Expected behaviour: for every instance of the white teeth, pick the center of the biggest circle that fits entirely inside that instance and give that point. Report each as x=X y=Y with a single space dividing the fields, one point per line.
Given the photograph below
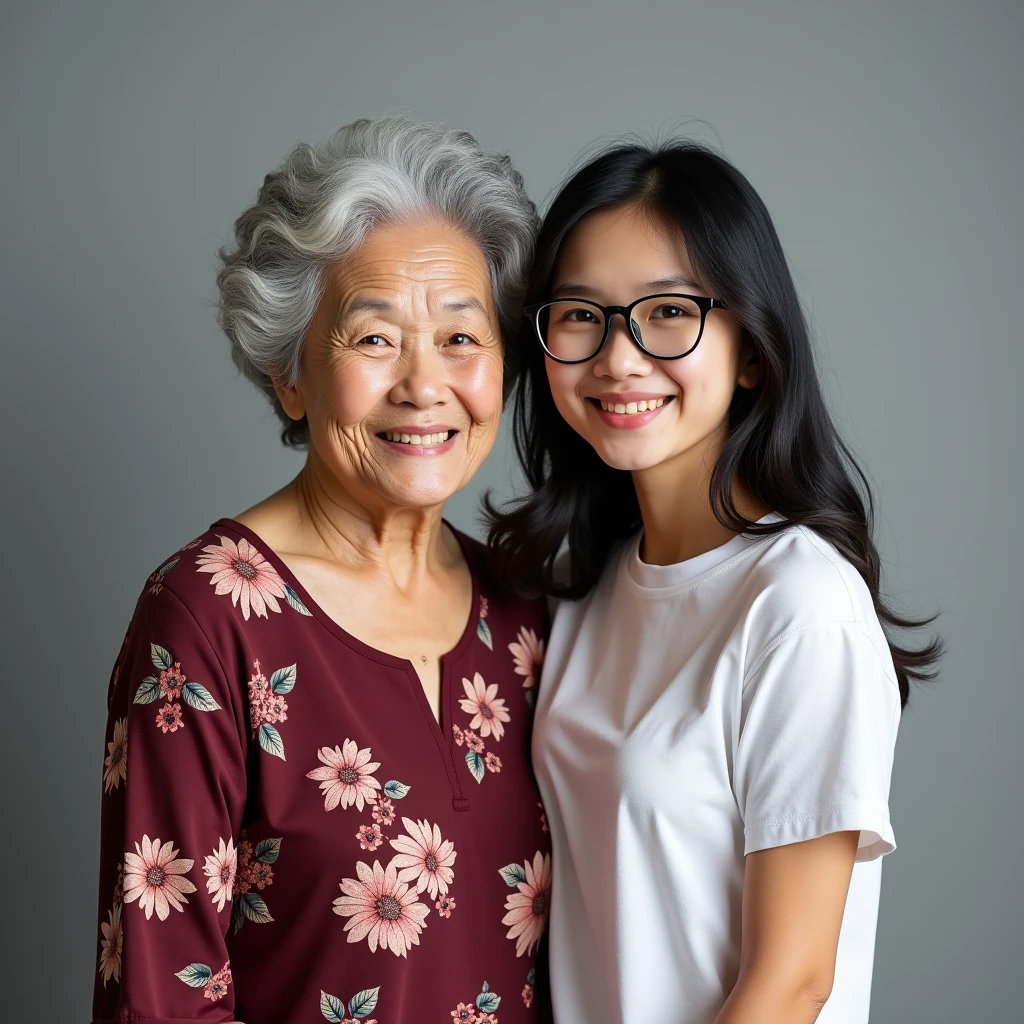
x=632 y=408
x=420 y=439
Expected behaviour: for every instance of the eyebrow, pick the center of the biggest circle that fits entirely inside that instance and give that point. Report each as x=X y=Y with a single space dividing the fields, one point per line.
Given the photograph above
x=368 y=305
x=584 y=291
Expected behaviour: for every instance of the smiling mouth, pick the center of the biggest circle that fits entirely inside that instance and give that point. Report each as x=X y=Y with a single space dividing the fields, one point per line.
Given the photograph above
x=630 y=408
x=422 y=440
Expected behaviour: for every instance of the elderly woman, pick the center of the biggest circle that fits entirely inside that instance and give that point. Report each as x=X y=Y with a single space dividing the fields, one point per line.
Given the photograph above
x=328 y=809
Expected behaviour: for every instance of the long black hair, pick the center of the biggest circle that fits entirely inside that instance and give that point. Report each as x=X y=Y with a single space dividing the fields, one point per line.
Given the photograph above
x=781 y=442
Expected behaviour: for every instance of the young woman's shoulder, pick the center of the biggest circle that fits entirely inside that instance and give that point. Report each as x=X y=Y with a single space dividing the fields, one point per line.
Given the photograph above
x=798 y=580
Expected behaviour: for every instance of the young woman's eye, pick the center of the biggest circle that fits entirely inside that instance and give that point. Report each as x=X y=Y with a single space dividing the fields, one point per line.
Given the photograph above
x=668 y=311
x=373 y=340
x=580 y=316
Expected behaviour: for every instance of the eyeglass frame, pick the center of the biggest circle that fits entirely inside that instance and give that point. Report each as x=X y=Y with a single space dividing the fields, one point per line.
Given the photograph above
x=703 y=302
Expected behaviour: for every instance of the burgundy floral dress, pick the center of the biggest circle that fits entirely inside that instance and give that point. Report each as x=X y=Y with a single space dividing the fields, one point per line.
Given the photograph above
x=288 y=833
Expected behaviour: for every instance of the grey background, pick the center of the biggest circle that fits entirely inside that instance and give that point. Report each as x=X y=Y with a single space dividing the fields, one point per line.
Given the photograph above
x=885 y=137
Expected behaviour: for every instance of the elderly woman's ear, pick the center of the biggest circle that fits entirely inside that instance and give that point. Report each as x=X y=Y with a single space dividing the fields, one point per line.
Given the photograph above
x=290 y=398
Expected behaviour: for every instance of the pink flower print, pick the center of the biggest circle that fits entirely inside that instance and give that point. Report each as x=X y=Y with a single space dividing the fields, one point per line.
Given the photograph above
x=493 y=763
x=422 y=855
x=346 y=777
x=528 y=907
x=458 y=735
x=444 y=906
x=217 y=987
x=115 y=764
x=482 y=702
x=220 y=868
x=383 y=812
x=169 y=718
x=465 y=1012
x=155 y=877
x=111 y=942
x=528 y=655
x=370 y=837
x=259 y=692
x=245 y=851
x=193 y=544
x=259 y=874
x=473 y=741
x=527 y=996
x=119 y=886
x=483 y=607
x=543 y=818
x=171 y=681
x=276 y=708
x=485 y=1018
x=241 y=571
x=381 y=909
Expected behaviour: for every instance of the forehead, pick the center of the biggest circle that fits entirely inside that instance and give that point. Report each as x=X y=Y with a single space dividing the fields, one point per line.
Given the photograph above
x=624 y=247
x=425 y=258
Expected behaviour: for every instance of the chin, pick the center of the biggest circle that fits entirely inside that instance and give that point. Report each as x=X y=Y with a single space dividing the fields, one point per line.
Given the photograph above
x=629 y=456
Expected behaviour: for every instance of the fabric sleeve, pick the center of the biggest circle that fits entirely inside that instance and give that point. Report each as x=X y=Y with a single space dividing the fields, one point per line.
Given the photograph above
x=819 y=716
x=174 y=785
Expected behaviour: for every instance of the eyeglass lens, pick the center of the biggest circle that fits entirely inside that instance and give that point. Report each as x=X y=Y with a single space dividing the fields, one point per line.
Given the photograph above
x=573 y=329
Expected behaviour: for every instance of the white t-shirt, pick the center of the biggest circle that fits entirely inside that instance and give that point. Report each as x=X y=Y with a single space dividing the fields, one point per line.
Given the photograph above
x=689 y=715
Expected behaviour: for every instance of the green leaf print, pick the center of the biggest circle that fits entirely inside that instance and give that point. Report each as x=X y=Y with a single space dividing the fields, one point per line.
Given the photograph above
x=395 y=789
x=513 y=874
x=148 y=691
x=160 y=657
x=255 y=909
x=332 y=1007
x=363 y=1003
x=476 y=765
x=487 y=1001
x=283 y=680
x=165 y=569
x=196 y=975
x=267 y=850
x=484 y=632
x=198 y=696
x=270 y=740
x=295 y=601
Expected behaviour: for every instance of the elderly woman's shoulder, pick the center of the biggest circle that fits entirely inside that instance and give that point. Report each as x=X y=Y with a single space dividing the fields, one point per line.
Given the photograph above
x=221 y=575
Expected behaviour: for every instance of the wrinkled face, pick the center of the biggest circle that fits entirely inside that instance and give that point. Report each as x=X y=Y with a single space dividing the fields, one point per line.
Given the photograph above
x=401 y=373
x=669 y=408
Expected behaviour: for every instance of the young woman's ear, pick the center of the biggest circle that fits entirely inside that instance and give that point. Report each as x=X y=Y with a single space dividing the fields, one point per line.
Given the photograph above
x=749 y=375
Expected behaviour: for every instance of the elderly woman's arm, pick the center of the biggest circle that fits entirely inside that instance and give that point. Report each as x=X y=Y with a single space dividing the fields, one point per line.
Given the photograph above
x=170 y=812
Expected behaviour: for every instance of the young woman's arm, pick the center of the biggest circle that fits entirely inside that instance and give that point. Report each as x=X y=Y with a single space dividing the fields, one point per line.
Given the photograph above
x=793 y=901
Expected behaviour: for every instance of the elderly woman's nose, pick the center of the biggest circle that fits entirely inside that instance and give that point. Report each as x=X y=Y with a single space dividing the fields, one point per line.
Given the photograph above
x=422 y=379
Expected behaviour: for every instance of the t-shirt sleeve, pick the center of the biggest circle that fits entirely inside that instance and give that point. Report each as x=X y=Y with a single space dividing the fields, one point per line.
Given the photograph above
x=818 y=722
x=172 y=803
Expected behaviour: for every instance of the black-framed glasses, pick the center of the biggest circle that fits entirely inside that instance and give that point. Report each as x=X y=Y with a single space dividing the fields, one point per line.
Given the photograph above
x=665 y=326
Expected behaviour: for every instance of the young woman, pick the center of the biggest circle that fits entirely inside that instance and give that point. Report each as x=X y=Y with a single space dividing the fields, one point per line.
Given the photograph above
x=719 y=705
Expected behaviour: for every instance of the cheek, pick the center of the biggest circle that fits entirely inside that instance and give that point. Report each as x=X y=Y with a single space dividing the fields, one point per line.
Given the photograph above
x=706 y=378
x=478 y=383
x=346 y=391
x=564 y=382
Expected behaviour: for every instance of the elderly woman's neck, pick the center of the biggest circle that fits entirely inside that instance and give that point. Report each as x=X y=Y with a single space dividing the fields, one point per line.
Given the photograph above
x=314 y=517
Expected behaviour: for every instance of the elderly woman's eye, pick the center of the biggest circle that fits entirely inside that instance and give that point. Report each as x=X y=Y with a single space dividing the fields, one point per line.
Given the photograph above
x=375 y=340
x=460 y=339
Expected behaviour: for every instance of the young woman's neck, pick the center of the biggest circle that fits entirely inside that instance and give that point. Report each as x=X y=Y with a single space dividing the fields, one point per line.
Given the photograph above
x=675 y=504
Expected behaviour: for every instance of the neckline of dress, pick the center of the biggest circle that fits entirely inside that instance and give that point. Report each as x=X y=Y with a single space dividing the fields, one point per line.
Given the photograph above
x=332 y=626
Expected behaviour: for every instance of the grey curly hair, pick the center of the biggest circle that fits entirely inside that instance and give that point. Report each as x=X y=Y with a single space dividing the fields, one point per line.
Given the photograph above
x=321 y=203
